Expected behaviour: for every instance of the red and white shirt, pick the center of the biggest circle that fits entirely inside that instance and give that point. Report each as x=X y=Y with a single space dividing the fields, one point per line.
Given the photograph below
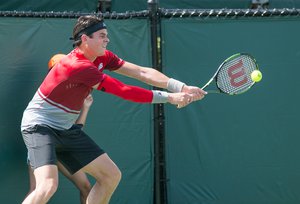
x=58 y=101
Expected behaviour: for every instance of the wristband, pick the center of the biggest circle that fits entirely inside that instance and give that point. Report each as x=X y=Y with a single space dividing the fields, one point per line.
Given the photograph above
x=174 y=85
x=159 y=96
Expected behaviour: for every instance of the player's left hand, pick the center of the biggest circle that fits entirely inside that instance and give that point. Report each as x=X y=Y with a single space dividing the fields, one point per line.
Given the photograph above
x=88 y=101
x=196 y=92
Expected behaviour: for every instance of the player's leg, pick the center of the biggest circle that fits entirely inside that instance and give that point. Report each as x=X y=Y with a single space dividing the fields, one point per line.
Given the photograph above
x=31 y=180
x=46 y=178
x=107 y=176
x=40 y=142
x=80 y=152
x=79 y=179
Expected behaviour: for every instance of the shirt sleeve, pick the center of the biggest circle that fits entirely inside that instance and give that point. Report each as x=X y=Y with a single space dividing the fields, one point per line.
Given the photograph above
x=114 y=62
x=88 y=75
x=127 y=92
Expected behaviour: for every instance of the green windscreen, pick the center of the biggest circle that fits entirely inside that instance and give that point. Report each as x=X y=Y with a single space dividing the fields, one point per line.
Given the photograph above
x=234 y=149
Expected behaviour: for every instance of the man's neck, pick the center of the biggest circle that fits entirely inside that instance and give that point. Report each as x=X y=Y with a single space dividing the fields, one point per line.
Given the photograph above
x=86 y=53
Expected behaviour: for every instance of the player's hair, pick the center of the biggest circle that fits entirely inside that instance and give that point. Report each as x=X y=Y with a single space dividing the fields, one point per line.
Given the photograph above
x=82 y=24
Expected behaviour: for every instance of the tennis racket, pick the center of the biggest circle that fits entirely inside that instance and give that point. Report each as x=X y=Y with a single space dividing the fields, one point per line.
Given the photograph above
x=234 y=75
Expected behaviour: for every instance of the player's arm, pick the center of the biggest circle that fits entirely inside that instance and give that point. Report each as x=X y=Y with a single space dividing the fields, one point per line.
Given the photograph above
x=155 y=78
x=85 y=109
x=141 y=95
x=145 y=74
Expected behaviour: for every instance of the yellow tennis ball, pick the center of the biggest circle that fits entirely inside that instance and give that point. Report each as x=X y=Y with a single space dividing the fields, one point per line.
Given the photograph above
x=256 y=76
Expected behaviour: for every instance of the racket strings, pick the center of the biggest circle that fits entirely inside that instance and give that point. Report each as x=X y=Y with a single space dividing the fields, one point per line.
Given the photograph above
x=234 y=77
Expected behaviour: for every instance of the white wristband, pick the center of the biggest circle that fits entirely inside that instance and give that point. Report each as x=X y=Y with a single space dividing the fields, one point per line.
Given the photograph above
x=174 y=85
x=160 y=96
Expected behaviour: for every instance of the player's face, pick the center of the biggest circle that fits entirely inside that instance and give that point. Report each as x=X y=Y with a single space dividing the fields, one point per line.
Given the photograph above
x=98 y=42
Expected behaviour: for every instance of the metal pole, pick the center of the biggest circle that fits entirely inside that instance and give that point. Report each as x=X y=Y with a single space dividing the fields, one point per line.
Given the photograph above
x=160 y=190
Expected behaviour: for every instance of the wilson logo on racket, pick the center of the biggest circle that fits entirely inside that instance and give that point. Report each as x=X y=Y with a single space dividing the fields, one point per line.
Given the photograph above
x=233 y=75
x=237 y=74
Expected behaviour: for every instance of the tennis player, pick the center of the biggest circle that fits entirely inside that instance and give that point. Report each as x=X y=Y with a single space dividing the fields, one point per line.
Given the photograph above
x=48 y=118
x=79 y=179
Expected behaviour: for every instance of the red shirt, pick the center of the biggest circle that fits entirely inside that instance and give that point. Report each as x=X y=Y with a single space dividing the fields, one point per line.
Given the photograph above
x=65 y=88
x=71 y=80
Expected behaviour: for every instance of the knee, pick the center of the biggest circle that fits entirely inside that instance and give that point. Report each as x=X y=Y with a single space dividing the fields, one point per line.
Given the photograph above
x=113 y=177
x=46 y=188
x=118 y=175
x=85 y=188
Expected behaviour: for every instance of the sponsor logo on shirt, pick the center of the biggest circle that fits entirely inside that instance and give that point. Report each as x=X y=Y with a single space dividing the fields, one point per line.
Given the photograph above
x=100 y=66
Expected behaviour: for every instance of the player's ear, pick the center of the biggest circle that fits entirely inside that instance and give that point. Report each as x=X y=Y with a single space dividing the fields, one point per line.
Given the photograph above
x=84 y=38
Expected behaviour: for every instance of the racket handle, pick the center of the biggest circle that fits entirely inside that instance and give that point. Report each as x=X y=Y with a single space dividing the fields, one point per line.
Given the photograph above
x=213 y=91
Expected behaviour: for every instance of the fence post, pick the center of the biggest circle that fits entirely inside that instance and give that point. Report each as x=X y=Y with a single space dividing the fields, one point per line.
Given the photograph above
x=160 y=190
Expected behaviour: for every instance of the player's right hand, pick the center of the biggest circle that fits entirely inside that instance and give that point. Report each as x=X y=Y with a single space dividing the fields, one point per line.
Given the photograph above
x=180 y=99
